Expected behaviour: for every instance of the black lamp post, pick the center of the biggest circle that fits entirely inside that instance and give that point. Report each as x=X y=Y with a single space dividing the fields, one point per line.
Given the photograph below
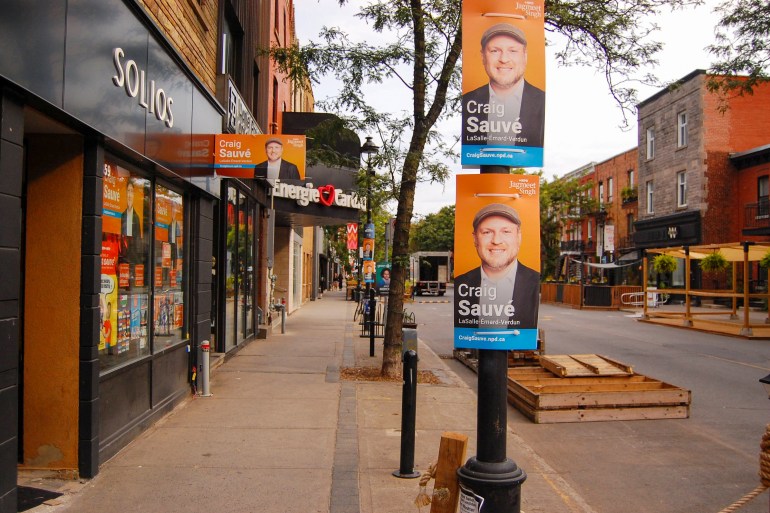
x=369 y=148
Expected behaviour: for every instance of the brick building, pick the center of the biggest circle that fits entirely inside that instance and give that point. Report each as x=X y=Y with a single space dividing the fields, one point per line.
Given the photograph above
x=688 y=186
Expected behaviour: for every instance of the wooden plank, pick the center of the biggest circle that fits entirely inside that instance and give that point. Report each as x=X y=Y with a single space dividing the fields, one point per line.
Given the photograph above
x=626 y=399
x=535 y=380
x=563 y=365
x=451 y=456
x=610 y=414
x=602 y=365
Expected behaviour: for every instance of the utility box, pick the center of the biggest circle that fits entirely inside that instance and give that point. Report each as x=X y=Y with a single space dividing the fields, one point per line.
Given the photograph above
x=408 y=340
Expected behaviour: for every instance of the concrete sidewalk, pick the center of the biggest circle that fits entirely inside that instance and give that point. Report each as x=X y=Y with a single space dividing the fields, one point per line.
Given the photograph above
x=282 y=433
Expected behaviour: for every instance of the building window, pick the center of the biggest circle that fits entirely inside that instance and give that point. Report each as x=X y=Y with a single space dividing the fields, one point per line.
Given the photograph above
x=630 y=175
x=609 y=190
x=681 y=189
x=650 y=190
x=763 y=195
x=231 y=50
x=650 y=143
x=601 y=193
x=590 y=229
x=141 y=302
x=681 y=132
x=630 y=224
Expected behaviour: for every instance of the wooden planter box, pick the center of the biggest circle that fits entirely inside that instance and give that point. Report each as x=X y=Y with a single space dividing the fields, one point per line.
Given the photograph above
x=548 y=397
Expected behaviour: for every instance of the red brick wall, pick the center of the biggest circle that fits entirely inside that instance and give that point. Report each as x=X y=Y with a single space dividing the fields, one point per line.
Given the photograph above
x=192 y=28
x=281 y=34
x=744 y=125
x=722 y=218
x=617 y=167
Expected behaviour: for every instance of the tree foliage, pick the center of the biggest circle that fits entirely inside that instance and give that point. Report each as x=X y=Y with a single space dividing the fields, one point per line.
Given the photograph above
x=416 y=44
x=741 y=47
x=561 y=202
x=436 y=232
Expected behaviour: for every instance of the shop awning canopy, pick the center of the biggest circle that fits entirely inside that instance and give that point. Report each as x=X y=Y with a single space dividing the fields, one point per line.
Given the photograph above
x=733 y=251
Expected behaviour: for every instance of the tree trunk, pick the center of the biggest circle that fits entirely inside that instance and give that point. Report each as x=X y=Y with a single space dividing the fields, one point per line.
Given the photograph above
x=391 y=355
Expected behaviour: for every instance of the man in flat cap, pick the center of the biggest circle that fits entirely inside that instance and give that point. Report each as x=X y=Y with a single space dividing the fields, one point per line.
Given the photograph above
x=275 y=166
x=502 y=293
x=508 y=111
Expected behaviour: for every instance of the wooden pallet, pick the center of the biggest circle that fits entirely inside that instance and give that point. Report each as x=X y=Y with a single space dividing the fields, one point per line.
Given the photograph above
x=545 y=397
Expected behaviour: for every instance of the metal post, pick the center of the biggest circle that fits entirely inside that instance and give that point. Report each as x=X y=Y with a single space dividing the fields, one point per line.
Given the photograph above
x=372 y=306
x=408 y=417
x=205 y=368
x=491 y=477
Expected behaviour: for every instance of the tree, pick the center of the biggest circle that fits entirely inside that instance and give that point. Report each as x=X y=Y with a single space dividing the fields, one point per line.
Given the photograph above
x=561 y=201
x=436 y=232
x=422 y=54
x=742 y=47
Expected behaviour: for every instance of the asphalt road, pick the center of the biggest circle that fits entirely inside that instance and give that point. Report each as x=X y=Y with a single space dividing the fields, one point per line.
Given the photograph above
x=700 y=464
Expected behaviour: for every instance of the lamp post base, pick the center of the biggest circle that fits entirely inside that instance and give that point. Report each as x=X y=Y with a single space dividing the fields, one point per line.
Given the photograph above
x=494 y=487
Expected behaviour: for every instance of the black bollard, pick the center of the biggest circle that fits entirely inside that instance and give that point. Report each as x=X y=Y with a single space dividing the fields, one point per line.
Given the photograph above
x=408 y=417
x=372 y=307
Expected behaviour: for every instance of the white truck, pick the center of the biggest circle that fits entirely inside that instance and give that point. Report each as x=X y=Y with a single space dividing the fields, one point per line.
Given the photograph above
x=430 y=271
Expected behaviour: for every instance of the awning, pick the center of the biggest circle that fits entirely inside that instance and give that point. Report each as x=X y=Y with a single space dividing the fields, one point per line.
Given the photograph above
x=733 y=252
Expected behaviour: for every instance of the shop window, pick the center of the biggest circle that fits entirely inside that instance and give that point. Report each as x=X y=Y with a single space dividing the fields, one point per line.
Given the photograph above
x=168 y=271
x=141 y=300
x=124 y=299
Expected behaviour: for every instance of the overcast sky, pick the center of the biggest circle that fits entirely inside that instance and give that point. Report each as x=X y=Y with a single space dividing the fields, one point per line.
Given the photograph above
x=582 y=120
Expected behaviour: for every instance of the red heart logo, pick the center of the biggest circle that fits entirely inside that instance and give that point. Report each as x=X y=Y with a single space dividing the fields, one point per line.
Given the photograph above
x=326 y=195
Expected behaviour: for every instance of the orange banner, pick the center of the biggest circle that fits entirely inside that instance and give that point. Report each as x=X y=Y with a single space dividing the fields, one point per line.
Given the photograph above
x=260 y=156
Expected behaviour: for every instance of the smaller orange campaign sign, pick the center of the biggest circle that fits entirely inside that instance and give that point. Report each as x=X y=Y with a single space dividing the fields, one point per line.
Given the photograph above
x=259 y=155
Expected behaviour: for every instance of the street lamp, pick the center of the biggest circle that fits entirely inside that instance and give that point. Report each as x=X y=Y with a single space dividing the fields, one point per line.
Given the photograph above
x=369 y=148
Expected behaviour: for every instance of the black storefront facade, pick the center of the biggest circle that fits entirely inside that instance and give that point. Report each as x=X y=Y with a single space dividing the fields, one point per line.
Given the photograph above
x=116 y=241
x=682 y=229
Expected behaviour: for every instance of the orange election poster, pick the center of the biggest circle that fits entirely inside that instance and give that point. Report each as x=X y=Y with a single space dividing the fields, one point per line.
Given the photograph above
x=275 y=156
x=503 y=84
x=497 y=261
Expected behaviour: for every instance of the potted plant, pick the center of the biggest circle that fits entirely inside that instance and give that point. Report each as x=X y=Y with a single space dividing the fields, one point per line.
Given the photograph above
x=715 y=261
x=664 y=264
x=629 y=194
x=765 y=260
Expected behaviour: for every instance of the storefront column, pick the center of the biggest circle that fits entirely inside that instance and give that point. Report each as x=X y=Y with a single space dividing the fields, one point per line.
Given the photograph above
x=11 y=166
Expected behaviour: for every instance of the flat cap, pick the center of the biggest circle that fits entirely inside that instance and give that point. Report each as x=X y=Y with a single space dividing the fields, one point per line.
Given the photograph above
x=496 y=209
x=505 y=29
x=274 y=140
